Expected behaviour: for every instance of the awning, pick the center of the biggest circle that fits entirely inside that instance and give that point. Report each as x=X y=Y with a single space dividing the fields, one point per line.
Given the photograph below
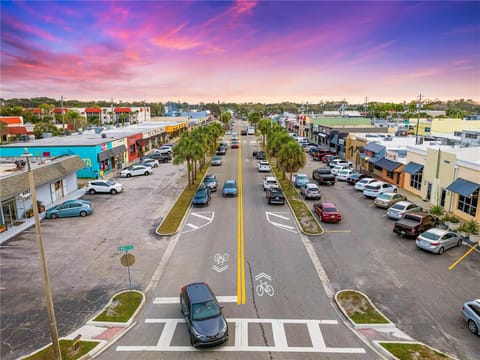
x=412 y=168
x=119 y=149
x=374 y=147
x=322 y=135
x=463 y=187
x=106 y=154
x=387 y=164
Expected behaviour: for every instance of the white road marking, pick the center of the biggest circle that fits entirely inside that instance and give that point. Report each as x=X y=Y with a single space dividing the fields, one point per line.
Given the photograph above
x=282 y=226
x=175 y=300
x=193 y=226
x=203 y=217
x=241 y=337
x=277 y=215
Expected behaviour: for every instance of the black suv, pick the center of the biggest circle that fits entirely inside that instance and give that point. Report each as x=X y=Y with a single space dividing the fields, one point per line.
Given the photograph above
x=203 y=315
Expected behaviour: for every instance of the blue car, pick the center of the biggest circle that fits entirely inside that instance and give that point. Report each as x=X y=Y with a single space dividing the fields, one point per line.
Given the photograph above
x=202 y=196
x=230 y=188
x=70 y=208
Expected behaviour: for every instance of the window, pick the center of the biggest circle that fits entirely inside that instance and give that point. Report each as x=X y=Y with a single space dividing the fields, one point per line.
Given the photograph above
x=132 y=149
x=442 y=197
x=416 y=180
x=390 y=174
x=471 y=136
x=468 y=204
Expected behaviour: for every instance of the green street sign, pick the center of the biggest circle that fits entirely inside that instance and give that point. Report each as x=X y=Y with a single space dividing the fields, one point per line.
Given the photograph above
x=125 y=248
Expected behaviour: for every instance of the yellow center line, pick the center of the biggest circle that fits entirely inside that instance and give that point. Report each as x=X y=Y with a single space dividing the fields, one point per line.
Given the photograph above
x=240 y=236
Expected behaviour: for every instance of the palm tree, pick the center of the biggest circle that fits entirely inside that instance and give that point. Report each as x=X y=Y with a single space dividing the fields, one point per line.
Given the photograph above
x=276 y=137
x=182 y=151
x=264 y=126
x=253 y=119
x=291 y=158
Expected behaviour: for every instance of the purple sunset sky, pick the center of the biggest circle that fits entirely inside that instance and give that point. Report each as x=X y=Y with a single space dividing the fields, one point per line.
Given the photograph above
x=240 y=51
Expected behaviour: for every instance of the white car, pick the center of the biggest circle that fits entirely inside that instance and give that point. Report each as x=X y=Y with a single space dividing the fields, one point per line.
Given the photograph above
x=263 y=166
x=136 y=170
x=165 y=149
x=336 y=162
x=104 y=186
x=268 y=182
x=344 y=174
x=337 y=168
x=372 y=190
x=151 y=162
x=360 y=184
x=310 y=191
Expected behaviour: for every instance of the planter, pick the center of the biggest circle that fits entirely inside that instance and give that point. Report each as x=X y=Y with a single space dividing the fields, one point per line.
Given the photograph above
x=453 y=226
x=3 y=228
x=474 y=238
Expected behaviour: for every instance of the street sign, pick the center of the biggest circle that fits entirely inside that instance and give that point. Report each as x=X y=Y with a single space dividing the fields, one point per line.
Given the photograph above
x=127 y=260
x=125 y=248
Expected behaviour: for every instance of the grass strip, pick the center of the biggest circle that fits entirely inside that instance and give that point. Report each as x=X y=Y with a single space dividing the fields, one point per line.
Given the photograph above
x=121 y=308
x=174 y=218
x=66 y=348
x=359 y=308
x=414 y=351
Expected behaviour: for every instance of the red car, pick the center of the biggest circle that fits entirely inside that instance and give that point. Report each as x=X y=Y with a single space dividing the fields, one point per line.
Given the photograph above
x=235 y=145
x=327 y=212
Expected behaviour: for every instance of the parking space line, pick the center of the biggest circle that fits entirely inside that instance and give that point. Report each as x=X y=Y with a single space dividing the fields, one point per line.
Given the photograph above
x=201 y=216
x=175 y=300
x=192 y=226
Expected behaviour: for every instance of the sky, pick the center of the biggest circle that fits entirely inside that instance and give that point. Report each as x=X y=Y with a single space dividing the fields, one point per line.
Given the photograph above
x=240 y=51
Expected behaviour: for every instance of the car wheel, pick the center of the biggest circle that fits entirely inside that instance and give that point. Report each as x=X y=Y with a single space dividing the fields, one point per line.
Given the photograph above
x=165 y=160
x=129 y=175
x=146 y=173
x=472 y=327
x=83 y=213
x=192 y=340
x=459 y=242
x=269 y=202
x=441 y=251
x=54 y=216
x=91 y=192
x=113 y=192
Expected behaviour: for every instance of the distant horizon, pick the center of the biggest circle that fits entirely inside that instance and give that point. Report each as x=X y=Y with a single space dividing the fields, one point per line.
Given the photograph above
x=241 y=51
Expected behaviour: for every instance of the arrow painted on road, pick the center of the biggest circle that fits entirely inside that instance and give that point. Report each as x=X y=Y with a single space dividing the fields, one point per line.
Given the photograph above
x=263 y=275
x=217 y=269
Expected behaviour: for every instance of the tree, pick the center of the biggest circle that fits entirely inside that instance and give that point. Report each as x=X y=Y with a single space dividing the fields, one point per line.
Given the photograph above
x=253 y=119
x=264 y=126
x=43 y=127
x=226 y=117
x=291 y=158
x=275 y=138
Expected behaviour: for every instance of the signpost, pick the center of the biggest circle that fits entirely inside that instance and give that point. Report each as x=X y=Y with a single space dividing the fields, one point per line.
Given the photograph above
x=127 y=260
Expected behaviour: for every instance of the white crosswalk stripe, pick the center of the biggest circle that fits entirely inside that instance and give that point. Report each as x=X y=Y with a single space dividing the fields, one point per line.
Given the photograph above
x=241 y=341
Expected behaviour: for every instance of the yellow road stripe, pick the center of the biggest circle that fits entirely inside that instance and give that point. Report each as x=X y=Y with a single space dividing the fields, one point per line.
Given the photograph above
x=240 y=235
x=463 y=256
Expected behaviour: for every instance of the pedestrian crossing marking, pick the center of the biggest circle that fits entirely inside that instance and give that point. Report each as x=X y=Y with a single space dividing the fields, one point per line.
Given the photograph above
x=241 y=337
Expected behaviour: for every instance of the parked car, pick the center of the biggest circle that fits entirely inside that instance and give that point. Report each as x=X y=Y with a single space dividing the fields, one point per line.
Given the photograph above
x=310 y=191
x=263 y=166
x=203 y=315
x=398 y=210
x=337 y=168
x=162 y=158
x=338 y=162
x=471 y=314
x=270 y=181
x=216 y=161
x=275 y=195
x=323 y=175
x=353 y=178
x=360 y=184
x=372 y=190
x=202 y=196
x=210 y=181
x=260 y=155
x=327 y=212
x=70 y=208
x=299 y=180
x=387 y=199
x=438 y=240
x=164 y=149
x=230 y=188
x=414 y=224
x=221 y=150
x=344 y=174
x=136 y=170
x=150 y=162
x=327 y=158
x=104 y=186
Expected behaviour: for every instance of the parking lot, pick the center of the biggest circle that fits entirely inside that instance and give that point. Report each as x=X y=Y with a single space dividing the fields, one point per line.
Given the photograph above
x=414 y=288
x=83 y=259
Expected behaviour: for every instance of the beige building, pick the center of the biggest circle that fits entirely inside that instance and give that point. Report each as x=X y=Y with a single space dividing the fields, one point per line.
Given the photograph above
x=445 y=176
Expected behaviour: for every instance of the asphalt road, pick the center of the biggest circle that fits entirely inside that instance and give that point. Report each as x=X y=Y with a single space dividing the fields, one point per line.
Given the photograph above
x=413 y=288
x=291 y=319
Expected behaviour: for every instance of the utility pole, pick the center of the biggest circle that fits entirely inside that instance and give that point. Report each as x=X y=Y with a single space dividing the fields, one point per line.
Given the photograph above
x=419 y=106
x=63 y=116
x=366 y=106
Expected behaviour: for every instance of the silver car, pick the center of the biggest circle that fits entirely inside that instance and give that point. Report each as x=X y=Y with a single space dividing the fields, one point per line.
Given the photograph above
x=438 y=240
x=398 y=210
x=387 y=199
x=360 y=184
x=471 y=314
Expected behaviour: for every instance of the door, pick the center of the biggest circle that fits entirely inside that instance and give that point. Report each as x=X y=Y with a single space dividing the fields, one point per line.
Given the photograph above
x=9 y=212
x=429 y=191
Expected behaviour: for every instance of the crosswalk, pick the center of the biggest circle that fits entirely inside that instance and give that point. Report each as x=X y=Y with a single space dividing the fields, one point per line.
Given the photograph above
x=241 y=341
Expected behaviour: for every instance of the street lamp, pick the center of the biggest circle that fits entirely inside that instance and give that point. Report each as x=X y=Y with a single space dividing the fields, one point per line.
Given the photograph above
x=57 y=355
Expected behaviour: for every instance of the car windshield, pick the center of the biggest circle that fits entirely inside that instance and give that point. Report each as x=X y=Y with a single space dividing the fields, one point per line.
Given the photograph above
x=430 y=235
x=398 y=207
x=330 y=209
x=230 y=185
x=204 y=311
x=110 y=182
x=384 y=197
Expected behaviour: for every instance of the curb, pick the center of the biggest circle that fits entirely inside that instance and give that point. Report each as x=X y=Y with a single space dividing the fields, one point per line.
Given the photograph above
x=389 y=355
x=298 y=223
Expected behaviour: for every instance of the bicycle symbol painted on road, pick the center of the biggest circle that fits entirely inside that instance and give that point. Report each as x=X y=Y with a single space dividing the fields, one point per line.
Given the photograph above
x=263 y=287
x=219 y=260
